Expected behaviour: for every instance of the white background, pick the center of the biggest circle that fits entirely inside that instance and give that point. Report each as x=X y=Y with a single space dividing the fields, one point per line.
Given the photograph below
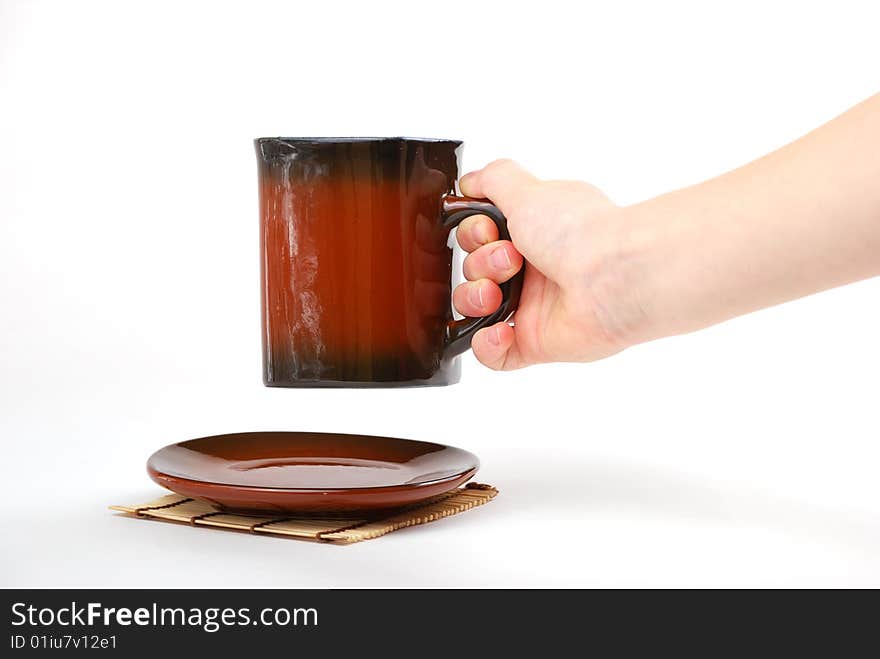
x=745 y=455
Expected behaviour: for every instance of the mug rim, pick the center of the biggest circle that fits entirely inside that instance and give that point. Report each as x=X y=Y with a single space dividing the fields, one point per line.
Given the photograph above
x=355 y=140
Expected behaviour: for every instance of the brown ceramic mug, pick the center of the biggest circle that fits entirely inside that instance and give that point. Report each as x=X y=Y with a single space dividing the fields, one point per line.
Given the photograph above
x=355 y=262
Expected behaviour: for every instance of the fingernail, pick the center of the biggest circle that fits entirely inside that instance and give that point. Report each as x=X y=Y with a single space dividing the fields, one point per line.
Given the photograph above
x=475 y=295
x=480 y=236
x=500 y=259
x=494 y=336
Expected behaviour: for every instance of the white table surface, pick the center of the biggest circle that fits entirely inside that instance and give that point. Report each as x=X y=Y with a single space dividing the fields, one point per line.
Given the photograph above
x=728 y=458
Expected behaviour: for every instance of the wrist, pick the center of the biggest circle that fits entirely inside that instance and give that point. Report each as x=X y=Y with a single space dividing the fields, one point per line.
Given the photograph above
x=622 y=284
x=670 y=258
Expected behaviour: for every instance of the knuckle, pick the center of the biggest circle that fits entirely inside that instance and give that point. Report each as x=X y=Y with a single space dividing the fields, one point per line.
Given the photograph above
x=496 y=170
x=483 y=230
x=501 y=163
x=459 y=301
x=468 y=266
x=473 y=228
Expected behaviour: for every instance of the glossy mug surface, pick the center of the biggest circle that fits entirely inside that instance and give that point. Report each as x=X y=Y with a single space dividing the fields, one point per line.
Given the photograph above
x=355 y=262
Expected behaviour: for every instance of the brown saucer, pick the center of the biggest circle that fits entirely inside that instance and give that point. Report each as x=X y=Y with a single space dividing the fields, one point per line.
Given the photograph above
x=296 y=472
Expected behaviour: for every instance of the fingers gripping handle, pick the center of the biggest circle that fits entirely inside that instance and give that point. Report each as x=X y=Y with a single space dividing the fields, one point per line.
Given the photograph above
x=459 y=332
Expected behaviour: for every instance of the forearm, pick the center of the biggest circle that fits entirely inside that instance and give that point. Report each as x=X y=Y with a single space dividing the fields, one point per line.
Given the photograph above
x=798 y=221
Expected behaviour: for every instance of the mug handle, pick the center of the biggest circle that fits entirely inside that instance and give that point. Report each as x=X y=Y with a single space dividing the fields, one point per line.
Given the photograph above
x=459 y=332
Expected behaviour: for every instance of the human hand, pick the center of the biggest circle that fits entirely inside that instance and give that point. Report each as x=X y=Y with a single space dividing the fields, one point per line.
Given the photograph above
x=575 y=304
x=600 y=278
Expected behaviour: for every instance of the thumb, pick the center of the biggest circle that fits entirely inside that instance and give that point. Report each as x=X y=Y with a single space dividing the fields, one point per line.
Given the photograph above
x=503 y=182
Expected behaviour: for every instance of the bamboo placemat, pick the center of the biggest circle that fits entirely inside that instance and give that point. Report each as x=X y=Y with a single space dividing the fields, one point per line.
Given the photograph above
x=340 y=529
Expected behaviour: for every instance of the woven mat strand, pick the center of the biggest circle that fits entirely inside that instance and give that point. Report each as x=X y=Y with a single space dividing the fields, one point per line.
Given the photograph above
x=340 y=530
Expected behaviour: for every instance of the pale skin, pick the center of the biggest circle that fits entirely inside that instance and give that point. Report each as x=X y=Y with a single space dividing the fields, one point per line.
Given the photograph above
x=600 y=278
